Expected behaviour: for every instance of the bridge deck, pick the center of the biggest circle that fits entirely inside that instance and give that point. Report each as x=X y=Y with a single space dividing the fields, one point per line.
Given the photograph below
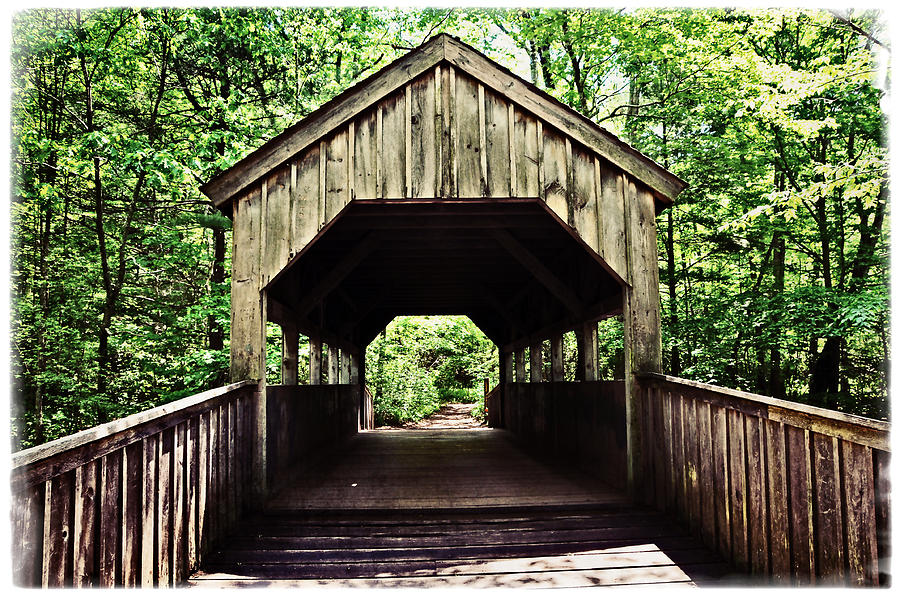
x=452 y=508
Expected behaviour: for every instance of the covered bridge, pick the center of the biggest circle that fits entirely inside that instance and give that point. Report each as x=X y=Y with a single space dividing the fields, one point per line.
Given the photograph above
x=445 y=184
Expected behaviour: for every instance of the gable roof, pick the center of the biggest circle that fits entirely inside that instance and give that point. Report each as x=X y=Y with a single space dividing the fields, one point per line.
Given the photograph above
x=440 y=49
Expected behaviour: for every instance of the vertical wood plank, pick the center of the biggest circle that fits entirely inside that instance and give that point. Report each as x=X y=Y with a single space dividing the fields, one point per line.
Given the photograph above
x=584 y=196
x=323 y=185
x=757 y=504
x=719 y=434
x=351 y=168
x=541 y=175
x=737 y=482
x=468 y=117
x=536 y=362
x=828 y=520
x=511 y=143
x=245 y=279
x=334 y=364
x=497 y=155
x=364 y=184
x=179 y=518
x=222 y=473
x=779 y=524
x=448 y=139
x=803 y=563
x=692 y=464
x=305 y=199
x=58 y=535
x=277 y=225
x=407 y=129
x=336 y=183
x=86 y=496
x=192 y=466
x=203 y=483
x=527 y=158
x=678 y=467
x=110 y=518
x=148 y=514
x=611 y=216
x=393 y=141
x=520 y=366
x=557 y=360
x=555 y=173
x=132 y=508
x=28 y=535
x=212 y=489
x=315 y=360
x=482 y=140
x=706 y=475
x=859 y=499
x=379 y=151
x=589 y=345
x=882 y=472
x=424 y=142
x=233 y=465
x=164 y=509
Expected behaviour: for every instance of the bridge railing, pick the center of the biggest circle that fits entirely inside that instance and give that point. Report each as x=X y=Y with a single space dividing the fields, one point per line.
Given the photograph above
x=137 y=501
x=791 y=492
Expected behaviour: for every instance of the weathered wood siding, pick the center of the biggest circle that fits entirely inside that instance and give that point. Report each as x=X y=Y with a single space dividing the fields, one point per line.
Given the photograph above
x=136 y=502
x=785 y=491
x=583 y=422
x=303 y=421
x=443 y=135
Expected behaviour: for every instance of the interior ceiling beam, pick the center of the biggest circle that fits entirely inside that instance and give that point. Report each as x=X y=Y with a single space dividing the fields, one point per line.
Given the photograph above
x=334 y=277
x=503 y=311
x=278 y=312
x=602 y=309
x=540 y=271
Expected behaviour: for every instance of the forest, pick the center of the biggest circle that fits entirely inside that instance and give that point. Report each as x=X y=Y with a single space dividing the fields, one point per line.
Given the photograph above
x=773 y=263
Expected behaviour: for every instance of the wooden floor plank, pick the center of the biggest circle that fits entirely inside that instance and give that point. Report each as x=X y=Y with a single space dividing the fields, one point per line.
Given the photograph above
x=454 y=509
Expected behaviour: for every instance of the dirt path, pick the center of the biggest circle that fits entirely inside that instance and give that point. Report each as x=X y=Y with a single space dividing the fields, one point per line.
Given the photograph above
x=450 y=416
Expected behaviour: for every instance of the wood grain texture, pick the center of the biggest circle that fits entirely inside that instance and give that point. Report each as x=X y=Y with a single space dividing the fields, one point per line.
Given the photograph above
x=467 y=118
x=777 y=499
x=58 y=532
x=497 y=157
x=110 y=572
x=424 y=142
x=393 y=147
x=87 y=492
x=364 y=150
x=859 y=497
x=526 y=152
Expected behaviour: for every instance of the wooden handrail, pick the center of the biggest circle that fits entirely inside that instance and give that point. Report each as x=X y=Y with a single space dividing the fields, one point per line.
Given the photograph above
x=862 y=430
x=46 y=460
x=137 y=501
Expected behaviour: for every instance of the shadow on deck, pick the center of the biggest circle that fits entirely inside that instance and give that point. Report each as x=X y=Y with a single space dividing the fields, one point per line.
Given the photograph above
x=453 y=508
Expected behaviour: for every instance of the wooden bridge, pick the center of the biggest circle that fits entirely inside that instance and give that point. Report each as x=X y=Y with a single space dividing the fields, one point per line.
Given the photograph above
x=444 y=184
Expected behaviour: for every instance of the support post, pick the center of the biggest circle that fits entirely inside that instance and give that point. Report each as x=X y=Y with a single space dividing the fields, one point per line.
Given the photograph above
x=643 y=347
x=290 y=341
x=536 y=358
x=589 y=345
x=520 y=365
x=334 y=365
x=506 y=376
x=557 y=362
x=260 y=456
x=315 y=360
x=345 y=367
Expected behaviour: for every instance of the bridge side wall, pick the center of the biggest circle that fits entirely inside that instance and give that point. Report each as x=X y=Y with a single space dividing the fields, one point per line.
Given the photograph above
x=784 y=491
x=136 y=502
x=582 y=422
x=304 y=421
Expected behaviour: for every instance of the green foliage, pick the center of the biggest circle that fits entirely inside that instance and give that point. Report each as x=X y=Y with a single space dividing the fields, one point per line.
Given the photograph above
x=774 y=277
x=418 y=363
